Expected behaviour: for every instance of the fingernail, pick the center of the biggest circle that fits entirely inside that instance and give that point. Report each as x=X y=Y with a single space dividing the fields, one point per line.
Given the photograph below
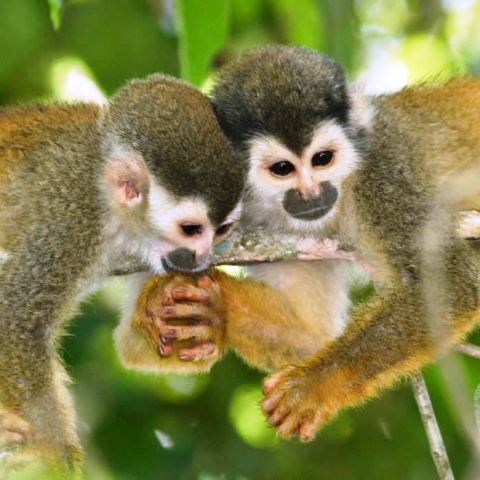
x=180 y=290
x=169 y=334
x=185 y=357
x=210 y=349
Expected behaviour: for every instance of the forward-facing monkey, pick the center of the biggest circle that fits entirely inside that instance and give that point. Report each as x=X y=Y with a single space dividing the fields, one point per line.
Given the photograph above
x=384 y=175
x=80 y=186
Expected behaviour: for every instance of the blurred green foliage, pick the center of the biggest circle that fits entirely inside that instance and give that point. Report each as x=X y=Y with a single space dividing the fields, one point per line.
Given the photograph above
x=200 y=23
x=209 y=427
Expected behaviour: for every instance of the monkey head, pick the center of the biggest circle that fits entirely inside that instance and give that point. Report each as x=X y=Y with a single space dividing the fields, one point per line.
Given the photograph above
x=290 y=113
x=171 y=176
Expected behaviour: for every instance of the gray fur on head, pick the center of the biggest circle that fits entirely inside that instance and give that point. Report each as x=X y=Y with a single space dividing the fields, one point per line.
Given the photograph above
x=282 y=91
x=173 y=127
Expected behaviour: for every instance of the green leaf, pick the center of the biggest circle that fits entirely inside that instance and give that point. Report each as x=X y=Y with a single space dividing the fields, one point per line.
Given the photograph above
x=202 y=27
x=55 y=7
x=302 y=22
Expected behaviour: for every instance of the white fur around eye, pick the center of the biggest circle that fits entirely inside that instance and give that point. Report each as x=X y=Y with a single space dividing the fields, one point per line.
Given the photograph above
x=165 y=212
x=266 y=150
x=331 y=136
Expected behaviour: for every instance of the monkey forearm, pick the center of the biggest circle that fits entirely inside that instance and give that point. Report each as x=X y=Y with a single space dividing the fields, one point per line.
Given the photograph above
x=390 y=336
x=386 y=337
x=262 y=327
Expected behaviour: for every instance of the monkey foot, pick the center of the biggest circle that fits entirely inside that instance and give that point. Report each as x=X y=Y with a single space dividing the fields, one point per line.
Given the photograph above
x=14 y=431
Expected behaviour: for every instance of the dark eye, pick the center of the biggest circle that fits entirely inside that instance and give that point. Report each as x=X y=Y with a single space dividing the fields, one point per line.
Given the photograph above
x=282 y=169
x=322 y=159
x=191 y=229
x=223 y=229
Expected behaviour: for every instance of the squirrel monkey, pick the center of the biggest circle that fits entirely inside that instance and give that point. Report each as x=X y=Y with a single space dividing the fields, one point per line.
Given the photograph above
x=382 y=174
x=80 y=186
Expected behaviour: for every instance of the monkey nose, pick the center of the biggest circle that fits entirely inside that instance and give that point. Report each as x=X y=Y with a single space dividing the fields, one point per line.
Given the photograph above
x=309 y=190
x=184 y=260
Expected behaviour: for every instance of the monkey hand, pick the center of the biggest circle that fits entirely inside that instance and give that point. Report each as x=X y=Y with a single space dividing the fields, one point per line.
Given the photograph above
x=178 y=326
x=299 y=401
x=189 y=319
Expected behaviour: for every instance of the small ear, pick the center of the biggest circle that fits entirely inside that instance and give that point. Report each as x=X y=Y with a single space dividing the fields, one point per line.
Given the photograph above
x=361 y=110
x=128 y=179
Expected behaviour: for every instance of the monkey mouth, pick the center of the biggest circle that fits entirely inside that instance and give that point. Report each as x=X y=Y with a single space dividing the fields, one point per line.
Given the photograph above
x=312 y=213
x=170 y=267
x=310 y=209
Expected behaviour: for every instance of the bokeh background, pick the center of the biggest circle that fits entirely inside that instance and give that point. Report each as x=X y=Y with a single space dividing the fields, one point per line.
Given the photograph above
x=210 y=427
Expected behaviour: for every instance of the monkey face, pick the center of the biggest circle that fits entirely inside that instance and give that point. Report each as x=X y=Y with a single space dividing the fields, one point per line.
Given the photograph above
x=168 y=232
x=292 y=115
x=184 y=231
x=298 y=192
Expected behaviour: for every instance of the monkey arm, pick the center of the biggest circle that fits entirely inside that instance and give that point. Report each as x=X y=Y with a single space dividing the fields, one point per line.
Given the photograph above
x=401 y=328
x=274 y=324
x=268 y=326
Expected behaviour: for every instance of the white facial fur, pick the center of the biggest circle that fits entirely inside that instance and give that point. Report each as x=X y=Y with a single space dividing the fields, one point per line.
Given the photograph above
x=150 y=224
x=166 y=214
x=265 y=192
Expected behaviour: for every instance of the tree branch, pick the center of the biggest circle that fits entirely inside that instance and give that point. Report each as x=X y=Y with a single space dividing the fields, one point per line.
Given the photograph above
x=437 y=446
x=246 y=247
x=468 y=349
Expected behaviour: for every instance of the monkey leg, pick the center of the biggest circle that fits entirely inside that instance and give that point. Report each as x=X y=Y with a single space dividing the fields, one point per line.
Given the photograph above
x=32 y=380
x=388 y=337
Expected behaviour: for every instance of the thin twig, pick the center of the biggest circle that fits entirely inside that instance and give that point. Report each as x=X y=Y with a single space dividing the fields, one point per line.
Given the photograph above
x=246 y=247
x=468 y=349
x=437 y=446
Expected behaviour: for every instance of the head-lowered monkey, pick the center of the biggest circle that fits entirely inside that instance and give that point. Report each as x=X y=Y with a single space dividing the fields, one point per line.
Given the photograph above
x=80 y=186
x=395 y=185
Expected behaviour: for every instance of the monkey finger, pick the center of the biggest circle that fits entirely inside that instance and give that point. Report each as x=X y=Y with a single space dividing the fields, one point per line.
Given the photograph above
x=278 y=416
x=272 y=381
x=205 y=282
x=197 y=352
x=16 y=424
x=167 y=293
x=189 y=293
x=289 y=426
x=186 y=310
x=307 y=431
x=209 y=284
x=9 y=439
x=185 y=332
x=312 y=424
x=271 y=402
x=165 y=349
